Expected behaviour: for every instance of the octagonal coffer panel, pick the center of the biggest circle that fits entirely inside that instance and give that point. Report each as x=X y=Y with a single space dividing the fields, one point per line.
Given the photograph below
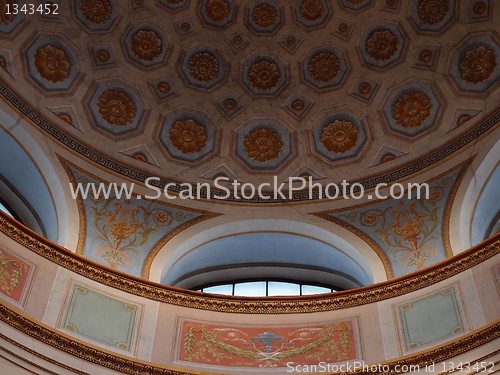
x=10 y=23
x=264 y=16
x=52 y=64
x=218 y=13
x=263 y=144
x=412 y=109
x=146 y=45
x=312 y=14
x=382 y=46
x=325 y=67
x=264 y=75
x=356 y=5
x=173 y=5
x=339 y=136
x=432 y=15
x=96 y=15
x=187 y=136
x=203 y=67
x=475 y=67
x=116 y=108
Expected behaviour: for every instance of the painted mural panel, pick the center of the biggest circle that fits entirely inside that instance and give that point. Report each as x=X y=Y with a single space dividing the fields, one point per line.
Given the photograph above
x=432 y=319
x=267 y=346
x=407 y=234
x=98 y=317
x=125 y=234
x=16 y=275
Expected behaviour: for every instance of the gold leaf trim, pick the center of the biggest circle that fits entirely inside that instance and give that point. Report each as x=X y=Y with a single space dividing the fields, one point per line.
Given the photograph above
x=35 y=353
x=291 y=305
x=130 y=366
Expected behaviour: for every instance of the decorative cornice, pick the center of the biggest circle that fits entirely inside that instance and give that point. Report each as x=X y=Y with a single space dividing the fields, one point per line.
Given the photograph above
x=127 y=365
x=275 y=305
x=78 y=349
x=39 y=355
x=128 y=172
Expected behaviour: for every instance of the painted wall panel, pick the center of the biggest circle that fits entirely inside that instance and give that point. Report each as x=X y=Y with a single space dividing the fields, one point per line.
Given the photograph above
x=265 y=346
x=431 y=319
x=101 y=318
x=16 y=275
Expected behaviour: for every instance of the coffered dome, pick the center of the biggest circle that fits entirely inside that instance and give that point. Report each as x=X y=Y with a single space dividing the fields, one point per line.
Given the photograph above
x=125 y=70
x=152 y=149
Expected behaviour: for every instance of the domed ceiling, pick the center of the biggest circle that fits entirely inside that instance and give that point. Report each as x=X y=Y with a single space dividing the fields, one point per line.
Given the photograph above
x=191 y=90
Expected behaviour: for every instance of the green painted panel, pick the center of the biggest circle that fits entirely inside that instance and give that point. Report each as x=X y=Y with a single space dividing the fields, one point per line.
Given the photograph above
x=100 y=318
x=431 y=319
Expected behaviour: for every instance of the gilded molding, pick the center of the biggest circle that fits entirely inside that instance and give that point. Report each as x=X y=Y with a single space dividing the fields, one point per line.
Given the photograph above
x=287 y=305
x=35 y=353
x=25 y=360
x=130 y=366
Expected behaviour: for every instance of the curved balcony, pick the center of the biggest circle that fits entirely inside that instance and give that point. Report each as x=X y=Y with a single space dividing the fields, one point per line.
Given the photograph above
x=64 y=313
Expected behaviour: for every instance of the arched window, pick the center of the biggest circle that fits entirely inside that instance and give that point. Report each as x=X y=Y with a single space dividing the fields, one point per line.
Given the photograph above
x=266 y=288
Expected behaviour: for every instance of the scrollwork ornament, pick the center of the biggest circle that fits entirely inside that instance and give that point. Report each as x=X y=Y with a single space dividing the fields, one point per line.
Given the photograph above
x=126 y=365
x=375 y=293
